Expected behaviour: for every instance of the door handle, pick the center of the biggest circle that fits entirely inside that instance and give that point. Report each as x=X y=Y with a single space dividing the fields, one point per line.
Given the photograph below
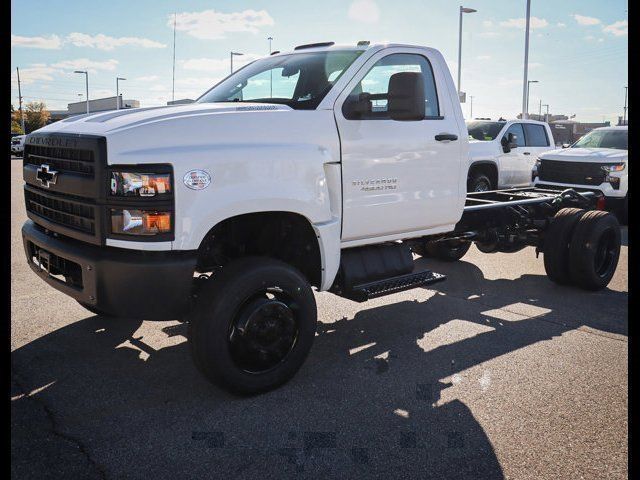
x=446 y=136
x=526 y=153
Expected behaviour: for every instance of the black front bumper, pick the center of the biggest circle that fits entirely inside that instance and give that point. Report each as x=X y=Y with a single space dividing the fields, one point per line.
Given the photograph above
x=126 y=283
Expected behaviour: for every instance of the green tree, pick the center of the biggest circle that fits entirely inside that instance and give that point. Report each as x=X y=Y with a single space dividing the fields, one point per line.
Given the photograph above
x=36 y=116
x=16 y=128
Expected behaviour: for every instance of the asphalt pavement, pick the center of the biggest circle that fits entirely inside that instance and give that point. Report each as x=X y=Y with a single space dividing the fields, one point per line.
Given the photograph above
x=494 y=373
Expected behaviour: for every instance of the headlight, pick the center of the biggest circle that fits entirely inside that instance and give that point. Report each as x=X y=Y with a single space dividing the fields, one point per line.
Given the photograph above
x=613 y=168
x=140 y=222
x=132 y=184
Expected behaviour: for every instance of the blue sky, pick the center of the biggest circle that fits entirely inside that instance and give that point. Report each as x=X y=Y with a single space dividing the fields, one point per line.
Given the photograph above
x=578 y=49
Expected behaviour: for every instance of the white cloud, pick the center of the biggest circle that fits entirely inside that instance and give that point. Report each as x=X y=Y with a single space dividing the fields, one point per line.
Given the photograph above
x=582 y=20
x=213 y=25
x=535 y=22
x=85 y=64
x=216 y=65
x=618 y=29
x=146 y=78
x=561 y=25
x=365 y=11
x=104 y=42
x=487 y=23
x=52 y=42
x=489 y=34
x=36 y=72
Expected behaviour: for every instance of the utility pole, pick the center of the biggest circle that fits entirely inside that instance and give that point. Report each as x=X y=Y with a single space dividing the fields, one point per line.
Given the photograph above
x=462 y=10
x=624 y=115
x=173 y=77
x=118 y=92
x=546 y=115
x=86 y=76
x=20 y=101
x=471 y=112
x=525 y=85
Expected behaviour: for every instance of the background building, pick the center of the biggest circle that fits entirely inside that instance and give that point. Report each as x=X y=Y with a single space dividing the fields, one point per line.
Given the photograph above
x=100 y=105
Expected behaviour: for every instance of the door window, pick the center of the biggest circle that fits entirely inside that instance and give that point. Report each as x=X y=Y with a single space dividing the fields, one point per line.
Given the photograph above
x=536 y=135
x=517 y=130
x=376 y=82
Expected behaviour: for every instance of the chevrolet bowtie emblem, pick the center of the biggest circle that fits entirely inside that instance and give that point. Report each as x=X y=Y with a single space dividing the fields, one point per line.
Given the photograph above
x=45 y=176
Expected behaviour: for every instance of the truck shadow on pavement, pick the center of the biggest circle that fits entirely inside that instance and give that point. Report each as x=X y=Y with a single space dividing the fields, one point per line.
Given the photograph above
x=368 y=400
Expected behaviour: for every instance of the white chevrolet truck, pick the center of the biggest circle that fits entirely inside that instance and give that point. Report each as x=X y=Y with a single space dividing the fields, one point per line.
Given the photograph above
x=598 y=161
x=502 y=153
x=325 y=167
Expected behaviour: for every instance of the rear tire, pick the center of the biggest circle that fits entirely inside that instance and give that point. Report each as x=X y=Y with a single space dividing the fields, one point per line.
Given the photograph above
x=479 y=182
x=252 y=327
x=557 y=239
x=594 y=250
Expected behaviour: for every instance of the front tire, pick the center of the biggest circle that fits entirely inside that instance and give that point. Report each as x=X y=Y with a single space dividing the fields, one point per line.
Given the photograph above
x=479 y=182
x=252 y=325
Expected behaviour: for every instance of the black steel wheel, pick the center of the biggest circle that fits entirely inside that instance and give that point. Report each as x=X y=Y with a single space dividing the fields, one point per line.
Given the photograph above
x=594 y=250
x=252 y=325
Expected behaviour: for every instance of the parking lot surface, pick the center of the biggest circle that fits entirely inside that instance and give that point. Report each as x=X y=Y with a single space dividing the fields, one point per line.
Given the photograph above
x=495 y=373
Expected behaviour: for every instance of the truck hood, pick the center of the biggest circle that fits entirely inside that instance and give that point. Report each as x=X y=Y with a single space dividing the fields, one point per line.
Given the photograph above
x=106 y=123
x=479 y=149
x=589 y=155
x=197 y=134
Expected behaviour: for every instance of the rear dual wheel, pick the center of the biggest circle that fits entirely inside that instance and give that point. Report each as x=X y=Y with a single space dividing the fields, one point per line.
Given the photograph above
x=582 y=248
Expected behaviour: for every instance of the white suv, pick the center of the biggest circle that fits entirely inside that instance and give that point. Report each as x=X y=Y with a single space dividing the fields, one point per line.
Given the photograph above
x=502 y=153
x=17 y=145
x=598 y=161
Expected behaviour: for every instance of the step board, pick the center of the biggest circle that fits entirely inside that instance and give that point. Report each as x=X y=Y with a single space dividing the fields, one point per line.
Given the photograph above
x=367 y=291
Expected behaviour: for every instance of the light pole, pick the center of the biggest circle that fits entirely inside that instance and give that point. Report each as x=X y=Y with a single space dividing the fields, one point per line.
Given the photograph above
x=529 y=82
x=540 y=110
x=546 y=115
x=118 y=92
x=525 y=86
x=232 y=54
x=86 y=77
x=471 y=112
x=624 y=115
x=270 y=71
x=462 y=10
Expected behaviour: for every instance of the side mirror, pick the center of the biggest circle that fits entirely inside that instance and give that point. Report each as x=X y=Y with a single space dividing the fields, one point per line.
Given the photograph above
x=406 y=100
x=565 y=145
x=509 y=142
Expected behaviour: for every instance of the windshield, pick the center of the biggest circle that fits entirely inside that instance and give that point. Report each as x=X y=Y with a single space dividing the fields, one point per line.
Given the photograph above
x=299 y=80
x=485 y=131
x=618 y=139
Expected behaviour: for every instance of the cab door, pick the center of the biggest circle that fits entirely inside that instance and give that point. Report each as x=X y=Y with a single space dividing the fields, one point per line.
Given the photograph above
x=399 y=176
x=512 y=164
